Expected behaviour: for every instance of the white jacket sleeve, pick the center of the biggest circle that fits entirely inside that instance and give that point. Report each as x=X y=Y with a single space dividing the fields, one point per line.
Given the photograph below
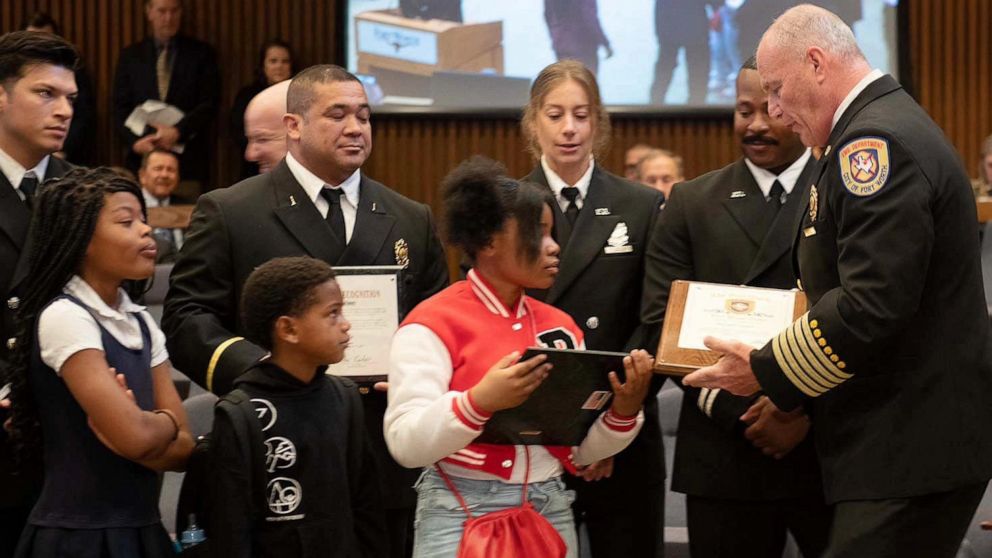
x=609 y=435
x=425 y=421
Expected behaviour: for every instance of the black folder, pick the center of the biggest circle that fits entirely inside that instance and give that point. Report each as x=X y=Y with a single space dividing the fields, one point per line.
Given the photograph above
x=561 y=410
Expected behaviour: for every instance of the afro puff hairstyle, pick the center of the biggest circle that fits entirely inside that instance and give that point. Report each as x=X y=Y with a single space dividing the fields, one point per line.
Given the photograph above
x=479 y=198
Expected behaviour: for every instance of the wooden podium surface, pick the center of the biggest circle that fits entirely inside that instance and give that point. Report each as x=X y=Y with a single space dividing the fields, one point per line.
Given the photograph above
x=390 y=41
x=170 y=217
x=984 y=209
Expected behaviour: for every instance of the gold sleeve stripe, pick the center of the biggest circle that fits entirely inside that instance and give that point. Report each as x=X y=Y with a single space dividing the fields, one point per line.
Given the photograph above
x=789 y=366
x=214 y=358
x=808 y=365
x=827 y=368
x=801 y=353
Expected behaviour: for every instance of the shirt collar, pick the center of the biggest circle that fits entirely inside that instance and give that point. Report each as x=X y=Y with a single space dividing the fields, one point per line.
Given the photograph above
x=557 y=184
x=786 y=178
x=15 y=172
x=80 y=289
x=489 y=299
x=853 y=94
x=313 y=184
x=152 y=201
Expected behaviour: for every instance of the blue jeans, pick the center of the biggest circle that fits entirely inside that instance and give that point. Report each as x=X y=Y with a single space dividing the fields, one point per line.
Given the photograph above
x=439 y=519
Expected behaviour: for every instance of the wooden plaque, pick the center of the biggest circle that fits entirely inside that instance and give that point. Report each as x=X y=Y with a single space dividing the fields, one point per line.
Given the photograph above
x=984 y=204
x=170 y=217
x=678 y=361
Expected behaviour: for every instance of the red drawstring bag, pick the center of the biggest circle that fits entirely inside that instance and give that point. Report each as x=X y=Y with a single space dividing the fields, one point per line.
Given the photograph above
x=512 y=533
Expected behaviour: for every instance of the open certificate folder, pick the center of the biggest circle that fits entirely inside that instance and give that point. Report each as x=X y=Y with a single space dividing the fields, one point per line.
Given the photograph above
x=156 y=113
x=561 y=410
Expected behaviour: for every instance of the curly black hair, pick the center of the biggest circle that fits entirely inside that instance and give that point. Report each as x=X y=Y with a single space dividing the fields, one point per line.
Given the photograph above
x=65 y=215
x=280 y=287
x=479 y=198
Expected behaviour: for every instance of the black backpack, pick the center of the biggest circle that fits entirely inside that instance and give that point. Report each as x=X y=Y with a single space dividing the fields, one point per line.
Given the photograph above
x=194 y=495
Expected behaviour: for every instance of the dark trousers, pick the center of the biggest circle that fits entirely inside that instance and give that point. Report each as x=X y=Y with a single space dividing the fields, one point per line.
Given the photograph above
x=756 y=529
x=588 y=56
x=633 y=530
x=12 y=520
x=928 y=526
x=399 y=529
x=697 y=58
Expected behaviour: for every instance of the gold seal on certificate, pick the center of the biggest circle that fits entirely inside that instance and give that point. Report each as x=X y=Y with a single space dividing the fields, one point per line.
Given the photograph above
x=371 y=304
x=751 y=315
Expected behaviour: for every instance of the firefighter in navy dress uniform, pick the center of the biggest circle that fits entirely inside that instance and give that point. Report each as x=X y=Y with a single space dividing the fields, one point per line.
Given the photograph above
x=893 y=358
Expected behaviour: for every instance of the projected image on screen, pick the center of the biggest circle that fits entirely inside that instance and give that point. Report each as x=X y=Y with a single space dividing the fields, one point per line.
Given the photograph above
x=450 y=55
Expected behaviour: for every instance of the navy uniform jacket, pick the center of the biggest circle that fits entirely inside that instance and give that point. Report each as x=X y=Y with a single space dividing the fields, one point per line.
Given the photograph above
x=599 y=285
x=709 y=232
x=236 y=229
x=894 y=357
x=15 y=218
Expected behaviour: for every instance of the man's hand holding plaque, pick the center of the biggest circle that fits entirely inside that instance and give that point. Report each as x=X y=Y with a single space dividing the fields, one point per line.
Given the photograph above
x=713 y=328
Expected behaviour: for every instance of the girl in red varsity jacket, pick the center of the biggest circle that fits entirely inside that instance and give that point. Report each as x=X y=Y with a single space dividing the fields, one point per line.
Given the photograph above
x=454 y=362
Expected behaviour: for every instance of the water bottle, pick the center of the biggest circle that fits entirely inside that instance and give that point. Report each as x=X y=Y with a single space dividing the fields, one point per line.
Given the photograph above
x=193 y=535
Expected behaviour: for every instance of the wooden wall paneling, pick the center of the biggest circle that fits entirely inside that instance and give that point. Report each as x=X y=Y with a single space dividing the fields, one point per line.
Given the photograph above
x=949 y=44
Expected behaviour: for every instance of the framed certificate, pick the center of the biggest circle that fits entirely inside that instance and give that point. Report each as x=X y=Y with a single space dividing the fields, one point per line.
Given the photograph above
x=372 y=305
x=751 y=315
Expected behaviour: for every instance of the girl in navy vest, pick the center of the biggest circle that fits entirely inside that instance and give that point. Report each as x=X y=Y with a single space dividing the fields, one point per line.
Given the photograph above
x=454 y=362
x=94 y=402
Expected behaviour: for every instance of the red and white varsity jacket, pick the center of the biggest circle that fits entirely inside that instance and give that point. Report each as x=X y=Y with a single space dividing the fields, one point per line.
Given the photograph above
x=442 y=349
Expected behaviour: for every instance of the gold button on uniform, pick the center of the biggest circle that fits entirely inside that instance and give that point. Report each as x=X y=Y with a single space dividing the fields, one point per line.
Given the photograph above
x=13 y=302
x=507 y=463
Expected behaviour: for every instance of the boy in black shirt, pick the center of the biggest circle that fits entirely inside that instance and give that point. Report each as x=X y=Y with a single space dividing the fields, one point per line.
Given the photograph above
x=321 y=493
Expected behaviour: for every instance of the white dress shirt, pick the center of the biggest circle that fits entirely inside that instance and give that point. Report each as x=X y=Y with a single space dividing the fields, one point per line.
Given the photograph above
x=861 y=86
x=15 y=172
x=787 y=178
x=312 y=185
x=557 y=184
x=65 y=328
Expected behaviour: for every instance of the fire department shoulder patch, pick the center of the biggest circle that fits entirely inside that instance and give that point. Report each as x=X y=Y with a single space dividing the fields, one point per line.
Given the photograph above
x=864 y=165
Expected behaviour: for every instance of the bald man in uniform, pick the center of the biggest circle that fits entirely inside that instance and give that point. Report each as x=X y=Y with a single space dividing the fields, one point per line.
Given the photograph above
x=893 y=360
x=264 y=127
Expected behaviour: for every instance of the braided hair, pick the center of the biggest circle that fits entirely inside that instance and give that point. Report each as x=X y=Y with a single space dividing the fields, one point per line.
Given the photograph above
x=65 y=215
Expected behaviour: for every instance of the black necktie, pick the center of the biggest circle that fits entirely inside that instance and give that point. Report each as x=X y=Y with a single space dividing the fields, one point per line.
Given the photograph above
x=335 y=217
x=571 y=194
x=28 y=186
x=777 y=195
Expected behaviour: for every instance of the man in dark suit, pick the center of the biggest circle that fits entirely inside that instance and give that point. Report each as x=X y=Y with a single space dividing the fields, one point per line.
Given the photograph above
x=893 y=361
x=177 y=70
x=37 y=90
x=746 y=485
x=159 y=177
x=682 y=25
x=317 y=203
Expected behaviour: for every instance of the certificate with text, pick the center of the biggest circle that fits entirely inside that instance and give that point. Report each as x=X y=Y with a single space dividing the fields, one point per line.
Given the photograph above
x=371 y=304
x=751 y=315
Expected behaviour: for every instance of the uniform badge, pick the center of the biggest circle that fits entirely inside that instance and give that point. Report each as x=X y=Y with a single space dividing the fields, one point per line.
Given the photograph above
x=619 y=241
x=402 y=253
x=601 y=211
x=864 y=165
x=737 y=194
x=814 y=202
